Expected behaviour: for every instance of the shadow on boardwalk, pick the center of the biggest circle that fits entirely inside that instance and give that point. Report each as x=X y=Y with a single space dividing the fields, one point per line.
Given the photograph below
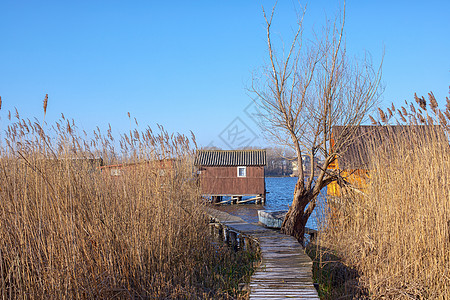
x=285 y=271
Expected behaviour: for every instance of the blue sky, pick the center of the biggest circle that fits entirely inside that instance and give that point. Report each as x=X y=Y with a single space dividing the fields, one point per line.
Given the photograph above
x=186 y=64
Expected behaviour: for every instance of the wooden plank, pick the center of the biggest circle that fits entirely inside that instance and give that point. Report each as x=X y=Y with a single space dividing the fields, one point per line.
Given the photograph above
x=223 y=202
x=285 y=271
x=249 y=200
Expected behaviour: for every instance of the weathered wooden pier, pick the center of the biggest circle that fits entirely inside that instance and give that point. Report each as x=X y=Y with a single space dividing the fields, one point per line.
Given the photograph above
x=285 y=271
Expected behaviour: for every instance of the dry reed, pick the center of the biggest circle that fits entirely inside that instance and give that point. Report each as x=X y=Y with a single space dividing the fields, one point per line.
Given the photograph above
x=70 y=230
x=397 y=237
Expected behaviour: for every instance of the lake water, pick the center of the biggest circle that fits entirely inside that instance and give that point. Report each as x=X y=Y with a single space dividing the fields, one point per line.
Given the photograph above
x=280 y=191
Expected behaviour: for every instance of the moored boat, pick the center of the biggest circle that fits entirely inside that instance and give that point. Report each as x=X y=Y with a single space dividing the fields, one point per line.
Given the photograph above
x=271 y=218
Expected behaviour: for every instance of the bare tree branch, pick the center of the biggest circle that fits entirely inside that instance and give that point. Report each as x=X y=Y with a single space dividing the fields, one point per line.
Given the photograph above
x=301 y=95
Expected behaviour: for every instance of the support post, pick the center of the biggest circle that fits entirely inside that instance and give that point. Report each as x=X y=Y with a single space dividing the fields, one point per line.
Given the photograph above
x=241 y=242
x=219 y=231
x=233 y=240
x=226 y=234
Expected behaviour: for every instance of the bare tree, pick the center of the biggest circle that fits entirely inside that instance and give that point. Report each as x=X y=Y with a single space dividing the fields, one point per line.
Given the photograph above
x=301 y=94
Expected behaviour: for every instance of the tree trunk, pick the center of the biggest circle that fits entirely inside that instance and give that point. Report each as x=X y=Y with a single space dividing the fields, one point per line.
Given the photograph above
x=295 y=221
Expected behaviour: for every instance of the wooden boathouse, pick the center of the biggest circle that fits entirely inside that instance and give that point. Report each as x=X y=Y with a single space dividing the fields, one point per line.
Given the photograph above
x=354 y=164
x=237 y=175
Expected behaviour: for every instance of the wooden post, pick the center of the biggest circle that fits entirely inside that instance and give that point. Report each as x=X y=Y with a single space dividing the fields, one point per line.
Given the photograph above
x=219 y=231
x=215 y=199
x=247 y=243
x=241 y=242
x=211 y=229
x=233 y=240
x=226 y=234
x=251 y=245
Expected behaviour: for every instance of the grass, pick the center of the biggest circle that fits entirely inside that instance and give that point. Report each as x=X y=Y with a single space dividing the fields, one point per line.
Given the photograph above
x=396 y=238
x=71 y=231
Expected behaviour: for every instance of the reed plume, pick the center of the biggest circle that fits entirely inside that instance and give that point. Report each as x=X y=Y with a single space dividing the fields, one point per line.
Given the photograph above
x=433 y=102
x=405 y=113
x=390 y=112
x=382 y=115
x=402 y=117
x=421 y=101
x=45 y=104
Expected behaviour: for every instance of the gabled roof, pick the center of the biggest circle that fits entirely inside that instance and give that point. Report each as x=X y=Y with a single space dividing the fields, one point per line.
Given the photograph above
x=230 y=158
x=356 y=155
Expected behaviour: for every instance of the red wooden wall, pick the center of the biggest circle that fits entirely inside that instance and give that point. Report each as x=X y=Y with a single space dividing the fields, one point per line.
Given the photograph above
x=224 y=181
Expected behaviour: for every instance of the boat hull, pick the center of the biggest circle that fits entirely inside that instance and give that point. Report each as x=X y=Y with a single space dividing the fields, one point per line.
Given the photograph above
x=271 y=218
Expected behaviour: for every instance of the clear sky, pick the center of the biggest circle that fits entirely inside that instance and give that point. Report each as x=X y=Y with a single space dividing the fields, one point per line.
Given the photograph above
x=186 y=64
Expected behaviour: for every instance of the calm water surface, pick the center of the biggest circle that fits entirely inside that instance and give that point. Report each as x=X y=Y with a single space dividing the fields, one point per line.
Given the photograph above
x=280 y=191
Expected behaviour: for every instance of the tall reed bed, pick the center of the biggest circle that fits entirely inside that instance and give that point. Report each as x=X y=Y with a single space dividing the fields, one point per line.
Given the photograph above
x=397 y=237
x=71 y=230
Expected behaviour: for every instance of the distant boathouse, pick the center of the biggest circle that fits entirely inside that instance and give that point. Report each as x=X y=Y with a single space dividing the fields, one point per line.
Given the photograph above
x=354 y=163
x=235 y=176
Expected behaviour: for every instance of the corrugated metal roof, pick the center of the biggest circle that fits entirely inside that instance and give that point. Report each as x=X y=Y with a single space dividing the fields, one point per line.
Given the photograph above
x=230 y=158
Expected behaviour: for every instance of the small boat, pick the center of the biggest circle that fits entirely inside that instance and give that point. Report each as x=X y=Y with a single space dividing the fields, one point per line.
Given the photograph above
x=271 y=218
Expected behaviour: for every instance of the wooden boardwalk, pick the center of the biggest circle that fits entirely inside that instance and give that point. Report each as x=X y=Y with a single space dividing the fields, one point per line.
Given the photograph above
x=285 y=271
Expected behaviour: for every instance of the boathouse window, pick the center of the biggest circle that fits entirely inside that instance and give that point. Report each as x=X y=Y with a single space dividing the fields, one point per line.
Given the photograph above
x=242 y=171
